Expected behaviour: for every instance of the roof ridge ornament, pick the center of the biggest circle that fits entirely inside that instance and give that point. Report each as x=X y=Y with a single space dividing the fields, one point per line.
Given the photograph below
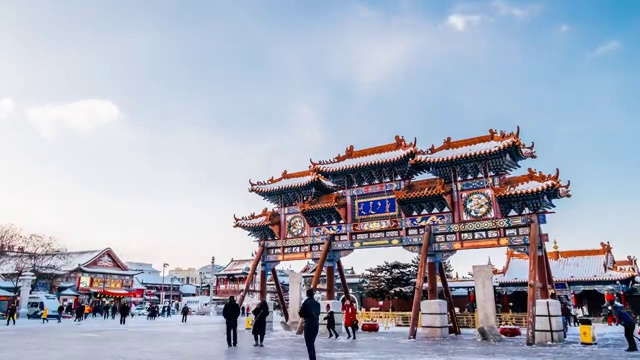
x=350 y=152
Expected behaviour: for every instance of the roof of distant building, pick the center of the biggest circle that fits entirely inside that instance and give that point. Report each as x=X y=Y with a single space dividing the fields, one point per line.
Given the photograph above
x=572 y=266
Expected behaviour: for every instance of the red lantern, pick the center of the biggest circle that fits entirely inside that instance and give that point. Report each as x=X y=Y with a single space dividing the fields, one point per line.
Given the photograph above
x=574 y=300
x=472 y=297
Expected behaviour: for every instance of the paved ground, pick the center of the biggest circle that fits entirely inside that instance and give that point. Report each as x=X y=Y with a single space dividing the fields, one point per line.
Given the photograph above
x=168 y=339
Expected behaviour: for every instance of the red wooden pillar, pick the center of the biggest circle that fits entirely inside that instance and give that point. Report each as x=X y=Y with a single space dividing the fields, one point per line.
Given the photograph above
x=432 y=280
x=283 y=304
x=263 y=283
x=252 y=271
x=417 y=295
x=449 y=298
x=533 y=279
x=331 y=280
x=343 y=280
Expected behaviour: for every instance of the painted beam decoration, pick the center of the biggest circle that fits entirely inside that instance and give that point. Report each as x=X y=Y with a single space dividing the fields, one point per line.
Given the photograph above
x=370 y=198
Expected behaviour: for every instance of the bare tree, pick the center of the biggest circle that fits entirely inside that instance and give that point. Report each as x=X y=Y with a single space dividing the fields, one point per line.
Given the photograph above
x=20 y=252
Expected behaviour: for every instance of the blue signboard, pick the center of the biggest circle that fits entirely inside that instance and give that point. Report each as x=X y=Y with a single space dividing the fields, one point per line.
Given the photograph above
x=542 y=219
x=372 y=207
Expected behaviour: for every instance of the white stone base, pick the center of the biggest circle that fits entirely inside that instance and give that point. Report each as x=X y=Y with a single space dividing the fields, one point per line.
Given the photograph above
x=270 y=317
x=549 y=326
x=435 y=320
x=336 y=307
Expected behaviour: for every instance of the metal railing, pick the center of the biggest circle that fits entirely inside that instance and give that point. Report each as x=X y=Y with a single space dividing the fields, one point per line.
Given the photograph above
x=466 y=320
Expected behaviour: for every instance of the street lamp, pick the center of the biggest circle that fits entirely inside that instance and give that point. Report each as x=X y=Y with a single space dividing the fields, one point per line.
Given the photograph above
x=213 y=264
x=164 y=266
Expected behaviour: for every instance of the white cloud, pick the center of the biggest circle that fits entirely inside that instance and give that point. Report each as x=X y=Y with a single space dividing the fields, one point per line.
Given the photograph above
x=83 y=116
x=607 y=48
x=7 y=108
x=505 y=9
x=564 y=28
x=461 y=22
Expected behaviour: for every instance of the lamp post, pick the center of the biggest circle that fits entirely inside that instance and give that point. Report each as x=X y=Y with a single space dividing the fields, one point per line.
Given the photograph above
x=213 y=264
x=164 y=266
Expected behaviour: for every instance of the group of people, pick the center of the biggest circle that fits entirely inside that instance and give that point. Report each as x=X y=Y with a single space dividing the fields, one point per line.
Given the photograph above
x=82 y=311
x=232 y=311
x=309 y=312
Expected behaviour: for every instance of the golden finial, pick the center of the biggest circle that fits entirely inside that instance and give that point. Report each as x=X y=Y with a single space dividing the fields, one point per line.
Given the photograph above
x=555 y=245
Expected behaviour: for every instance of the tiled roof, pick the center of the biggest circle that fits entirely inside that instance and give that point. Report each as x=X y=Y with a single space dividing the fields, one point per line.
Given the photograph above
x=149 y=279
x=423 y=188
x=237 y=267
x=378 y=155
x=566 y=266
x=265 y=218
x=289 y=181
x=533 y=182
x=323 y=202
x=495 y=142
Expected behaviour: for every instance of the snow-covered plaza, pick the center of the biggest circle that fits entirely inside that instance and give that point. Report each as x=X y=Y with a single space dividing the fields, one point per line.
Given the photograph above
x=204 y=337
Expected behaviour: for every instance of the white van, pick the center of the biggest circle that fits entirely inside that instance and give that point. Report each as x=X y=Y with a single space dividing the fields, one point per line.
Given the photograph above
x=37 y=303
x=198 y=305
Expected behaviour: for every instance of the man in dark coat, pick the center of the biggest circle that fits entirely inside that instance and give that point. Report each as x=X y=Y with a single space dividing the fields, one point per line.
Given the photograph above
x=230 y=313
x=625 y=320
x=259 y=327
x=79 y=313
x=124 y=312
x=310 y=312
x=60 y=311
x=11 y=314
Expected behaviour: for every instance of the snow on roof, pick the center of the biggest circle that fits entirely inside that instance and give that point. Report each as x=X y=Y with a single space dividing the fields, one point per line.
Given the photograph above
x=237 y=267
x=140 y=266
x=152 y=279
x=565 y=269
x=383 y=154
x=6 y=293
x=265 y=218
x=481 y=145
x=188 y=289
x=373 y=159
x=532 y=182
x=69 y=292
x=287 y=182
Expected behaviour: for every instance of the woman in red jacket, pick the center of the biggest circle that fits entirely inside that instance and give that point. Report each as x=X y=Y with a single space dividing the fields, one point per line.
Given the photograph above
x=350 y=318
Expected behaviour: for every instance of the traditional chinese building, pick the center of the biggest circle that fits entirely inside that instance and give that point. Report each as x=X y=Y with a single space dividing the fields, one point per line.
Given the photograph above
x=355 y=282
x=230 y=280
x=151 y=286
x=91 y=274
x=585 y=274
x=457 y=196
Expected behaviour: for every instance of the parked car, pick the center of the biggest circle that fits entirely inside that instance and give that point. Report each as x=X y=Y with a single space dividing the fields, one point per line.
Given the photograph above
x=140 y=310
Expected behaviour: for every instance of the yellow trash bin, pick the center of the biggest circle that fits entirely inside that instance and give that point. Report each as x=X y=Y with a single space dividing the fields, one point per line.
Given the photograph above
x=587 y=332
x=248 y=323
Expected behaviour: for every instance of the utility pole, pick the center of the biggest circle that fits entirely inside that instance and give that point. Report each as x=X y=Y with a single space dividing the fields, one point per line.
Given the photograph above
x=213 y=265
x=164 y=266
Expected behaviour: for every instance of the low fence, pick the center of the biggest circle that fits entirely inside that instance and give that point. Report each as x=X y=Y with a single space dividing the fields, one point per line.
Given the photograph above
x=466 y=320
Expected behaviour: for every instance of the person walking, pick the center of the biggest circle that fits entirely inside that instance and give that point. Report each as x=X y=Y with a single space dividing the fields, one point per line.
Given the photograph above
x=331 y=323
x=124 y=312
x=79 y=313
x=230 y=313
x=242 y=311
x=114 y=311
x=45 y=315
x=11 y=314
x=185 y=312
x=350 y=318
x=310 y=312
x=60 y=311
x=626 y=320
x=259 y=328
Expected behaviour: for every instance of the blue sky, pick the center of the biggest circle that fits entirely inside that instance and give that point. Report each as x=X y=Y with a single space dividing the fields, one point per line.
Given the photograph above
x=137 y=125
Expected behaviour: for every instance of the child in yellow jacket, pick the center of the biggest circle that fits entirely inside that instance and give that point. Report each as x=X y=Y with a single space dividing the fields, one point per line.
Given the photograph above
x=45 y=315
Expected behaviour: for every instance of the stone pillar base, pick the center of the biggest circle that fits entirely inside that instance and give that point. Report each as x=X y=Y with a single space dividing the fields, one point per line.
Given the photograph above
x=336 y=307
x=549 y=325
x=435 y=320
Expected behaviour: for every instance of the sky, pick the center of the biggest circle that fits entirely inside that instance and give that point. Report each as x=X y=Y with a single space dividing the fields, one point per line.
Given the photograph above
x=137 y=125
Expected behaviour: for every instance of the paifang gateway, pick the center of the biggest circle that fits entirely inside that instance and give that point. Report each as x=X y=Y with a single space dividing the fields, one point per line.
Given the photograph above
x=460 y=195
